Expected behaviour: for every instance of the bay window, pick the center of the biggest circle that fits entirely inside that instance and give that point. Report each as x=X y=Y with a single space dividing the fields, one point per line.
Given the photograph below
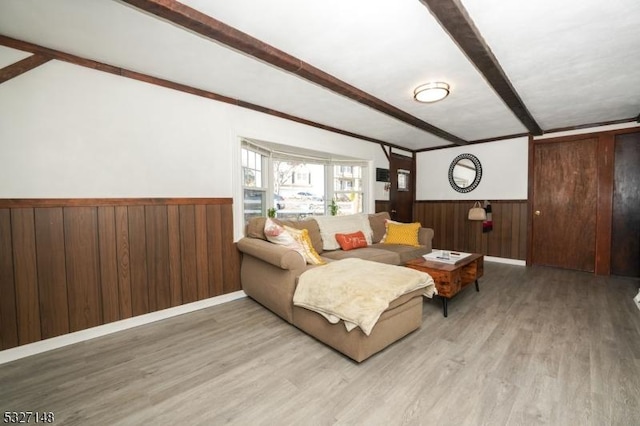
x=297 y=183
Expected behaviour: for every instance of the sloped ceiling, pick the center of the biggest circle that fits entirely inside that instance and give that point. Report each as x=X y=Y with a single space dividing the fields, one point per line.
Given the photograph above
x=351 y=66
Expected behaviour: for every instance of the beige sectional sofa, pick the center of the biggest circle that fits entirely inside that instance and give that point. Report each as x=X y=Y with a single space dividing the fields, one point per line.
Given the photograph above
x=269 y=274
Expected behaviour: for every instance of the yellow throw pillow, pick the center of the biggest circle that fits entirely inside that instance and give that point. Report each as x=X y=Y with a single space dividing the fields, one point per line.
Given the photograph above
x=402 y=233
x=386 y=228
x=308 y=252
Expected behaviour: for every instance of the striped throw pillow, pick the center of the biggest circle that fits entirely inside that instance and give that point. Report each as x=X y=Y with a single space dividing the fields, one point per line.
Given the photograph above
x=308 y=252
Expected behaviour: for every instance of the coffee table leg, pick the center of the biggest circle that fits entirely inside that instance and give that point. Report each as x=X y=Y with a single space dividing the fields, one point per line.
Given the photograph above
x=477 y=287
x=444 y=306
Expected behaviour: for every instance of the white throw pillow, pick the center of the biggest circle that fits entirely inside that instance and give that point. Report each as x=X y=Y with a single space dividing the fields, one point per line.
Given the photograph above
x=332 y=225
x=276 y=234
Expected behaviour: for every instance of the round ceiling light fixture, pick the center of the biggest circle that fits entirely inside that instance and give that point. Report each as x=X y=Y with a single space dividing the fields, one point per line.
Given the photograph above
x=431 y=92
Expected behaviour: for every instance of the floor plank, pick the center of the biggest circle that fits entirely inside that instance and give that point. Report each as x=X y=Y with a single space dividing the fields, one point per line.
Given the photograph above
x=534 y=346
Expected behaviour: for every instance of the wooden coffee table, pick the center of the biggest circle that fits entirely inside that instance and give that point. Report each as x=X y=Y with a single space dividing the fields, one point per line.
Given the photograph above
x=451 y=278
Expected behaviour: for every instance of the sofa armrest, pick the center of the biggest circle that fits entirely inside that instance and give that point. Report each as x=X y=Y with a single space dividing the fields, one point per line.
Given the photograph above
x=425 y=237
x=274 y=254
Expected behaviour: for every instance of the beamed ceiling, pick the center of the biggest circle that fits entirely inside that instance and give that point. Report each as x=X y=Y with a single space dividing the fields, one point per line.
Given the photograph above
x=514 y=67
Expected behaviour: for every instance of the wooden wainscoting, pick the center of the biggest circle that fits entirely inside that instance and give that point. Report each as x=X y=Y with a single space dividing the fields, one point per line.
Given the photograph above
x=67 y=265
x=454 y=231
x=383 y=206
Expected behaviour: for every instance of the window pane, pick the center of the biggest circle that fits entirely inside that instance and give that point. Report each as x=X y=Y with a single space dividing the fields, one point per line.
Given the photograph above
x=347 y=186
x=349 y=202
x=345 y=177
x=259 y=158
x=254 y=204
x=252 y=160
x=299 y=187
x=249 y=177
x=252 y=174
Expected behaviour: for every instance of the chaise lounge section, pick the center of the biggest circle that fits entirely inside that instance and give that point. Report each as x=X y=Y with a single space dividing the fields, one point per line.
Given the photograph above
x=270 y=273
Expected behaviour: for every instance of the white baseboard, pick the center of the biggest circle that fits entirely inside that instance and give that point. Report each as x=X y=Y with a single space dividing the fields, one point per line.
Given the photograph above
x=13 y=354
x=505 y=260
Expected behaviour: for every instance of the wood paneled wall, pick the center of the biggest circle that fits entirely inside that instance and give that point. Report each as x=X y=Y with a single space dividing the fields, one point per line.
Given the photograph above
x=67 y=265
x=454 y=231
x=383 y=206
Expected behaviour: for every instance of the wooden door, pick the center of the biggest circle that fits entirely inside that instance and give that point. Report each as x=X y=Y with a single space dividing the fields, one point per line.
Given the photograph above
x=625 y=224
x=402 y=192
x=564 y=203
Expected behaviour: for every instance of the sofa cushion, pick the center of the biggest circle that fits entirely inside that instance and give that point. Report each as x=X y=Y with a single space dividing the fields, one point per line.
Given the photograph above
x=265 y=252
x=367 y=253
x=399 y=233
x=377 y=221
x=351 y=241
x=404 y=252
x=332 y=225
x=255 y=228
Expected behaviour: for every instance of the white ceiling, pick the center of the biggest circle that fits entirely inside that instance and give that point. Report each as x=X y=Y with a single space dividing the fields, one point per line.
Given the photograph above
x=573 y=62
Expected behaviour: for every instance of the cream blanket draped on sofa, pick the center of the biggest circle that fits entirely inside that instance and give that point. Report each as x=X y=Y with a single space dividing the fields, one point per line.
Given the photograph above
x=357 y=291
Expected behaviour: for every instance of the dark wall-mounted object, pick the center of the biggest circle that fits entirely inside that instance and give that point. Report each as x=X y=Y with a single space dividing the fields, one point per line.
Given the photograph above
x=382 y=175
x=465 y=173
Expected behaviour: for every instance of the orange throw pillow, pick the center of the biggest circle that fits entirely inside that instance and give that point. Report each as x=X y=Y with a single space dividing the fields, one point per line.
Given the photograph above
x=351 y=241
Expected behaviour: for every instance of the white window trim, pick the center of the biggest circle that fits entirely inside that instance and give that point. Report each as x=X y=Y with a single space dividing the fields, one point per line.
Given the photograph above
x=329 y=162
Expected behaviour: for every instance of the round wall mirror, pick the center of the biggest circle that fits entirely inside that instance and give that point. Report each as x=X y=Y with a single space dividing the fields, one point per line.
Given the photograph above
x=465 y=173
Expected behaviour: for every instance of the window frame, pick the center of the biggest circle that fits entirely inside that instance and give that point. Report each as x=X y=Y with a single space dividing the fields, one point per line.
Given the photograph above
x=328 y=160
x=264 y=178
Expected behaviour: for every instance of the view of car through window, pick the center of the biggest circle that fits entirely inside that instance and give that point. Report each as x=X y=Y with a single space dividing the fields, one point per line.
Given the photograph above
x=299 y=187
x=301 y=190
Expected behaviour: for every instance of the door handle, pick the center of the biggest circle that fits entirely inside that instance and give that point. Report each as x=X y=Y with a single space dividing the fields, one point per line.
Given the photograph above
x=393 y=211
x=537 y=212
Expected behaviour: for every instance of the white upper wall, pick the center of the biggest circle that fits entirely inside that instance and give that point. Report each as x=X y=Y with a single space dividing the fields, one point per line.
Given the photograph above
x=10 y=56
x=71 y=132
x=504 y=171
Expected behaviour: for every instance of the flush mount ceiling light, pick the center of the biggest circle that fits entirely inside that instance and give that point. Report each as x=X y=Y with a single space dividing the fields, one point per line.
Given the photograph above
x=431 y=92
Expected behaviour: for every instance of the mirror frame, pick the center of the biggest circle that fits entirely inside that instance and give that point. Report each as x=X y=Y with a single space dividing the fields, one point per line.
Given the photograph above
x=475 y=182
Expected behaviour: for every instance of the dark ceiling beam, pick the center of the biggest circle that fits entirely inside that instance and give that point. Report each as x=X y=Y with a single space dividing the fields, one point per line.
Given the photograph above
x=386 y=154
x=200 y=23
x=21 y=67
x=590 y=125
x=48 y=54
x=477 y=141
x=453 y=17
x=433 y=148
x=500 y=138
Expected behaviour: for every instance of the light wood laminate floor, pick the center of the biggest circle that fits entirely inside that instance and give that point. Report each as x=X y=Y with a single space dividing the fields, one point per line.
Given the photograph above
x=536 y=346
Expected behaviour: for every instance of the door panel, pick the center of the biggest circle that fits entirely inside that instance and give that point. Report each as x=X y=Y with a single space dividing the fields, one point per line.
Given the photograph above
x=401 y=201
x=625 y=232
x=564 y=204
